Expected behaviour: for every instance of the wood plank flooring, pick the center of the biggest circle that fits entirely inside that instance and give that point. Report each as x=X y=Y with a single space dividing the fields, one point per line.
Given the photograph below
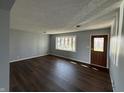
x=54 y=74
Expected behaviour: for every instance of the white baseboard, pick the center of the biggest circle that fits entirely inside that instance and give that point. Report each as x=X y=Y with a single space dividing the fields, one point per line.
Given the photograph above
x=112 y=81
x=70 y=58
x=26 y=58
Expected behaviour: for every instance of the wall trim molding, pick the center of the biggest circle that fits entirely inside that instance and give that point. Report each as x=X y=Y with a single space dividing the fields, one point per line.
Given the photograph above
x=112 y=81
x=26 y=58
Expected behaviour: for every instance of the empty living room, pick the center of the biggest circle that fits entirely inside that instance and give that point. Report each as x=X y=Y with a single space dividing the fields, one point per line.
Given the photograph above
x=61 y=45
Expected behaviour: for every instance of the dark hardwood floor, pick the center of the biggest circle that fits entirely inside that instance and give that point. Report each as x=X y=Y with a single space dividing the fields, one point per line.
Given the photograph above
x=54 y=74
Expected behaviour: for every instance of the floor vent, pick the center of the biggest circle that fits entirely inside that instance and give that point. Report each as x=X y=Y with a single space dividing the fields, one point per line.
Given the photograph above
x=73 y=62
x=84 y=66
x=94 y=68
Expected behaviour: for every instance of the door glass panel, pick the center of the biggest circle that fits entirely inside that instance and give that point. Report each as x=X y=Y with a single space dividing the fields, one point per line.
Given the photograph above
x=99 y=44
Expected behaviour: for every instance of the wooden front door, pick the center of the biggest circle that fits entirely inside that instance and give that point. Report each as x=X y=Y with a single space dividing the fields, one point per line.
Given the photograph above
x=99 y=50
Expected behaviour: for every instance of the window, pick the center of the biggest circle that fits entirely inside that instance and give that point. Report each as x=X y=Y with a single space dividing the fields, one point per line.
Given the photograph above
x=67 y=43
x=99 y=44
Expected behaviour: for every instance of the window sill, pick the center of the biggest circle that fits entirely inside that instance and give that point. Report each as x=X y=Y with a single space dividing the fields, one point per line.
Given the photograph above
x=65 y=50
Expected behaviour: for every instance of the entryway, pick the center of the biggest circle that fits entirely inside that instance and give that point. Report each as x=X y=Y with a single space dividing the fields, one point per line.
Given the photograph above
x=99 y=50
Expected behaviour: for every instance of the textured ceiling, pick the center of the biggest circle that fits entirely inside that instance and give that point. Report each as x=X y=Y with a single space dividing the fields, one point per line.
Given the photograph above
x=57 y=16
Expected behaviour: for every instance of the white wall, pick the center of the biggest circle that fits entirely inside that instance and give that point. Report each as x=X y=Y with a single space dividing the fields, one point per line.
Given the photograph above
x=117 y=52
x=24 y=45
x=4 y=50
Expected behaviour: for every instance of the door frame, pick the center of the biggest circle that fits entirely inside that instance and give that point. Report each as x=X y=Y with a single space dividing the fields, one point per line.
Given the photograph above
x=108 y=47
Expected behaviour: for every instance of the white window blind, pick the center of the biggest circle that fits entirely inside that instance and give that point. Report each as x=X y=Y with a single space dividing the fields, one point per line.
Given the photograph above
x=67 y=43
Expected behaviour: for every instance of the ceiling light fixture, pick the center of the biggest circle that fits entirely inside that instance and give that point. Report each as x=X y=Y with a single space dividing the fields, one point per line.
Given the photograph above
x=78 y=26
x=44 y=32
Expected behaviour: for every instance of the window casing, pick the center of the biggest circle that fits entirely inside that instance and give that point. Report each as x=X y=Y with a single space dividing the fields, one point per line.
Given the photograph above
x=67 y=43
